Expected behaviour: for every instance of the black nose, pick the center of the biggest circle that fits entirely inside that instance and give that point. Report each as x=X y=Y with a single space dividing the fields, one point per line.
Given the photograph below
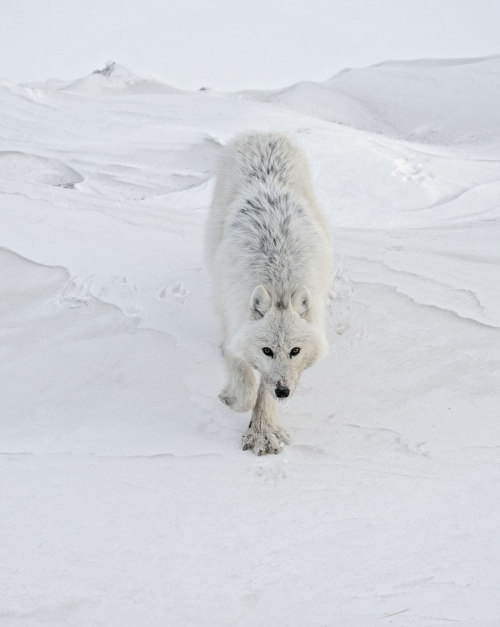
x=282 y=392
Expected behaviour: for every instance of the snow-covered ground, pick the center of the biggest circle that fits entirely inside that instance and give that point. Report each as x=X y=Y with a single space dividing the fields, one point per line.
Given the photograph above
x=126 y=499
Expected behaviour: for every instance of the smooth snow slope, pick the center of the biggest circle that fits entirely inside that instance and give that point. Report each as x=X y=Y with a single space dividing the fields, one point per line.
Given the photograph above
x=126 y=499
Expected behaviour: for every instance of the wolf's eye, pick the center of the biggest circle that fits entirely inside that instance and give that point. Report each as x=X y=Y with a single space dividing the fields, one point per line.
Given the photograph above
x=267 y=351
x=294 y=351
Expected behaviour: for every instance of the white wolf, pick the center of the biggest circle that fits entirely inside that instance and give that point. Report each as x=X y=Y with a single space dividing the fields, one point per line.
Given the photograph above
x=269 y=249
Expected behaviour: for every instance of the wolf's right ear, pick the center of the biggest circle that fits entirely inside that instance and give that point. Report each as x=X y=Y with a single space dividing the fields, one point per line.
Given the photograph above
x=260 y=302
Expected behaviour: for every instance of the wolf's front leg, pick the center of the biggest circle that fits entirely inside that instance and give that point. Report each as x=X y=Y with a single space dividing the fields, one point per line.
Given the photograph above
x=264 y=435
x=240 y=394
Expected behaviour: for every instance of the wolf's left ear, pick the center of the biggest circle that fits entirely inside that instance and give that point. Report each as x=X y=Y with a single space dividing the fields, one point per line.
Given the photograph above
x=301 y=302
x=260 y=302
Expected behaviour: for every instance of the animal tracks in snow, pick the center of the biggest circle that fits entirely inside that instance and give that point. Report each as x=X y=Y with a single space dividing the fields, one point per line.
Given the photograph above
x=176 y=290
x=411 y=171
x=76 y=292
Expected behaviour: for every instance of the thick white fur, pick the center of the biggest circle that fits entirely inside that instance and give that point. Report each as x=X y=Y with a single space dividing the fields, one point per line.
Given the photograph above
x=269 y=249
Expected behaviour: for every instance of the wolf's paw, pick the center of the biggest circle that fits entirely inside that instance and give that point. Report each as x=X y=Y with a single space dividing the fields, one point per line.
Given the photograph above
x=240 y=403
x=263 y=442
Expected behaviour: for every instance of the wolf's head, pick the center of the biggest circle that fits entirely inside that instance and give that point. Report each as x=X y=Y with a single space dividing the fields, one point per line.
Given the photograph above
x=279 y=339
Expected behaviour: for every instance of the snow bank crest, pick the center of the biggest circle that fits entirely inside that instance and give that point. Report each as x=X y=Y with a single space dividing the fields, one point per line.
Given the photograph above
x=118 y=80
x=446 y=102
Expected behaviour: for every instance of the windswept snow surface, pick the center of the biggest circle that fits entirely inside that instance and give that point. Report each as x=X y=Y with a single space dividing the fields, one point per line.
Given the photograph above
x=126 y=499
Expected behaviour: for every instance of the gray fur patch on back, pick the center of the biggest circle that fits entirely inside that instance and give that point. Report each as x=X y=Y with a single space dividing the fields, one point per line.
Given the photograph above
x=274 y=231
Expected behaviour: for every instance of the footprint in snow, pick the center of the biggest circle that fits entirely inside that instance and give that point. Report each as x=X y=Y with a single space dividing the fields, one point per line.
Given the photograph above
x=178 y=291
x=76 y=292
x=411 y=171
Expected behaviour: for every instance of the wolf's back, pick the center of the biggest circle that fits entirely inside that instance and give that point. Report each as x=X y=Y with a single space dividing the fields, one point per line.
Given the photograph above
x=268 y=157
